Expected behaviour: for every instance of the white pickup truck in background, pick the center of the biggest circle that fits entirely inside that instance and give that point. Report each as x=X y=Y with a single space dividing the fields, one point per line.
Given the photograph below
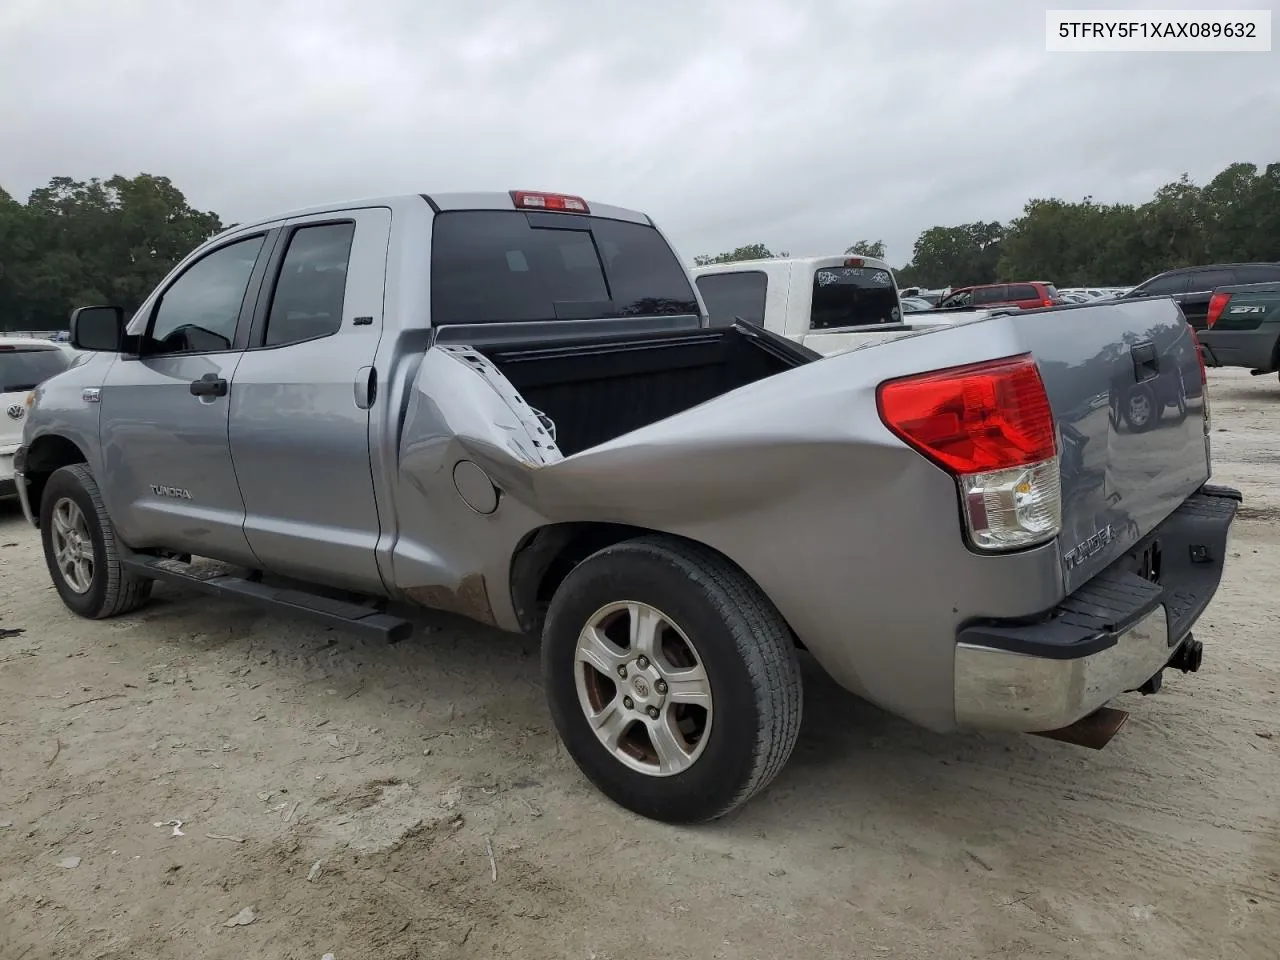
x=829 y=304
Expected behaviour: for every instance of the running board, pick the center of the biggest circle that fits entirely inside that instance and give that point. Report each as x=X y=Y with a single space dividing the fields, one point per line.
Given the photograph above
x=335 y=613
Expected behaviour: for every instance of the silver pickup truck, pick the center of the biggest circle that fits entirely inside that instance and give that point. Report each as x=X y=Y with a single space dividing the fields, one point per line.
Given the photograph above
x=512 y=406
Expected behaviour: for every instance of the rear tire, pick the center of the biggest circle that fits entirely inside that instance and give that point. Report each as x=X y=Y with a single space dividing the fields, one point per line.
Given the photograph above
x=81 y=549
x=672 y=680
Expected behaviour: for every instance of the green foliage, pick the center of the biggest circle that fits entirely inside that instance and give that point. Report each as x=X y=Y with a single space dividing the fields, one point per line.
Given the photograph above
x=103 y=241
x=867 y=248
x=1235 y=217
x=752 y=251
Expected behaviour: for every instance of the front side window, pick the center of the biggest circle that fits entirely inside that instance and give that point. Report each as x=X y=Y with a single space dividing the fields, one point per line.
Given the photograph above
x=853 y=297
x=199 y=312
x=961 y=299
x=310 y=291
x=732 y=295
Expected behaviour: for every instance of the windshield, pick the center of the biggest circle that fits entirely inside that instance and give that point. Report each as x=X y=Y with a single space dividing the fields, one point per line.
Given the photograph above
x=853 y=296
x=25 y=369
x=498 y=266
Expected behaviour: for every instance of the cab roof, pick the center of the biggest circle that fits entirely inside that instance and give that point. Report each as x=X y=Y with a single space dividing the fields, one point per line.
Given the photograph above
x=439 y=203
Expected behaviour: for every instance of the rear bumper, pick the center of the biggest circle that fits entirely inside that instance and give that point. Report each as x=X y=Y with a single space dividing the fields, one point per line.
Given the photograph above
x=1109 y=637
x=1254 y=349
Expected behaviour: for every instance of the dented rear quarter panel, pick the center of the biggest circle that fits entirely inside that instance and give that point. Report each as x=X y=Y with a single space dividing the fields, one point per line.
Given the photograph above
x=855 y=538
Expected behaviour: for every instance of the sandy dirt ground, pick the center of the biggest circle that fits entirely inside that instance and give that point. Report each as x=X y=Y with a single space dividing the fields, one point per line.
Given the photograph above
x=380 y=802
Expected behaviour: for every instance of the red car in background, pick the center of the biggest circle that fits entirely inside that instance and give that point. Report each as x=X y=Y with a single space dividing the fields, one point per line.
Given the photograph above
x=1025 y=296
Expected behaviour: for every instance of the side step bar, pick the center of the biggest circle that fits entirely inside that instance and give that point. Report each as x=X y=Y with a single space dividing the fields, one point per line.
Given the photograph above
x=335 y=613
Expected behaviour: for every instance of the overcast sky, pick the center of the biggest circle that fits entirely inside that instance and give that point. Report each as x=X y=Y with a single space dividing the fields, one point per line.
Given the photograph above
x=799 y=124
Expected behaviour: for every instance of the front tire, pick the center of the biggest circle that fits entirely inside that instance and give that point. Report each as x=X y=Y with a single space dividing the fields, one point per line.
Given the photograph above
x=672 y=680
x=81 y=550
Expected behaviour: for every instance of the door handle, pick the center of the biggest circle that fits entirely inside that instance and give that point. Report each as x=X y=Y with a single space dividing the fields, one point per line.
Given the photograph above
x=366 y=387
x=210 y=385
x=1146 y=364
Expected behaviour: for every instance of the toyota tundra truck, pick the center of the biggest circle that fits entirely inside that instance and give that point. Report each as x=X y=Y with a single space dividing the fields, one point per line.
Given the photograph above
x=513 y=406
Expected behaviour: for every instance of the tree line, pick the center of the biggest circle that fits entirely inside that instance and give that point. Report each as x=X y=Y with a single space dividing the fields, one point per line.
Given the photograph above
x=1235 y=217
x=111 y=241
x=75 y=242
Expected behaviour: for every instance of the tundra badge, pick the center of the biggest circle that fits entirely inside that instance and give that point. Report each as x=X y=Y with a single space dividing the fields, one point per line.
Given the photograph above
x=1087 y=548
x=176 y=492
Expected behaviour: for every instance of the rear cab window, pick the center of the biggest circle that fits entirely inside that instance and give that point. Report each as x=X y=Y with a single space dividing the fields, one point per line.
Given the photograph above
x=500 y=266
x=732 y=295
x=25 y=368
x=853 y=297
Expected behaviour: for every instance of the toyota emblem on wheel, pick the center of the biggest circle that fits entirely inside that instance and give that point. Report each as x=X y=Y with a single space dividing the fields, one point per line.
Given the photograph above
x=16 y=411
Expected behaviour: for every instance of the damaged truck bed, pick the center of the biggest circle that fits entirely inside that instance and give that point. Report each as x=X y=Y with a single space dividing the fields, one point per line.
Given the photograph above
x=511 y=406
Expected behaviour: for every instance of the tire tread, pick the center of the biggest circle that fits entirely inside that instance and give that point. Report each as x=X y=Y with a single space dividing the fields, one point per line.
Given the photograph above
x=124 y=591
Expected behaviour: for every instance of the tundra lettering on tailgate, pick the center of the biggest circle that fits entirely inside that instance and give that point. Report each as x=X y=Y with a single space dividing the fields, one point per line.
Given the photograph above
x=1084 y=550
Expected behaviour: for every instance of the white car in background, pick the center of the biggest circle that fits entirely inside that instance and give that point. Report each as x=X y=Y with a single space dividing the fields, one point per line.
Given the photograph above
x=25 y=362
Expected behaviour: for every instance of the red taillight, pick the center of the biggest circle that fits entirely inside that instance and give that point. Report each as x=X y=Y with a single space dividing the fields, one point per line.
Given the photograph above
x=973 y=419
x=528 y=200
x=1046 y=303
x=1217 y=303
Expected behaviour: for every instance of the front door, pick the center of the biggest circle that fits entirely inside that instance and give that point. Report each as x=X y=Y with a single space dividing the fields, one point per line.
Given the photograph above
x=169 y=480
x=301 y=400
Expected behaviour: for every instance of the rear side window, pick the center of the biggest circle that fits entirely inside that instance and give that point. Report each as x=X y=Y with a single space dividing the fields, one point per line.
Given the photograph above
x=1207 y=280
x=730 y=295
x=853 y=296
x=1258 y=273
x=26 y=369
x=1022 y=291
x=312 y=285
x=499 y=266
x=994 y=294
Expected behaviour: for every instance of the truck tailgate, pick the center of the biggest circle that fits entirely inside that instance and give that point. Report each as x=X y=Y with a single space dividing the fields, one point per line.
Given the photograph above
x=1102 y=365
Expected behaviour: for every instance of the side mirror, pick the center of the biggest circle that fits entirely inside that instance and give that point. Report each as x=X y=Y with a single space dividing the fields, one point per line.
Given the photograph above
x=97 y=328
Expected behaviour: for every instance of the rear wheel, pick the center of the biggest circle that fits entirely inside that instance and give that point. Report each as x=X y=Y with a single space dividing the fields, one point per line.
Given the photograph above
x=81 y=550
x=672 y=680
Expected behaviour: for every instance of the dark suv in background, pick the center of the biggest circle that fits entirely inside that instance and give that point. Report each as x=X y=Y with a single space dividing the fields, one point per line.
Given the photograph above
x=1191 y=287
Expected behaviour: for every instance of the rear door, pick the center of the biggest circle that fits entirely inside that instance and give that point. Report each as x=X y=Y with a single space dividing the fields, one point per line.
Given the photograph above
x=168 y=480
x=301 y=400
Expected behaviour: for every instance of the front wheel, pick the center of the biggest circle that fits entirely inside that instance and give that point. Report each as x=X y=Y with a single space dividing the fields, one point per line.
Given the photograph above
x=81 y=550
x=672 y=680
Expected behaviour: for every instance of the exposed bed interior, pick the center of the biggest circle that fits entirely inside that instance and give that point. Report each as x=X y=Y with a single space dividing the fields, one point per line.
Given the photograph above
x=595 y=391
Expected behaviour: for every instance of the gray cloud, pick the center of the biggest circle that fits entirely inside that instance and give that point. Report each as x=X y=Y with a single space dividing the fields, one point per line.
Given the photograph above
x=804 y=125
